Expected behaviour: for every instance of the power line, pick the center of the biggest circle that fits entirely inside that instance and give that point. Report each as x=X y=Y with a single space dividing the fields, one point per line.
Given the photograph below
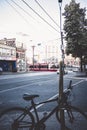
x=23 y=9
x=46 y=13
x=29 y=14
x=17 y=11
x=39 y=16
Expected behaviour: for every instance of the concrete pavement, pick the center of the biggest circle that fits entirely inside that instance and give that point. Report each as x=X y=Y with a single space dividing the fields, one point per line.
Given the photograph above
x=52 y=123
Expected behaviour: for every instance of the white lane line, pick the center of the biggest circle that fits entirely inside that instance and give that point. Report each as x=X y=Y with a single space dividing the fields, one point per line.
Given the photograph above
x=44 y=103
x=77 y=78
x=78 y=82
x=24 y=75
x=10 y=89
x=58 y=94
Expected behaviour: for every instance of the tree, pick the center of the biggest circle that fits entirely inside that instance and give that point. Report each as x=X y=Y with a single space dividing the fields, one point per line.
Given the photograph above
x=75 y=31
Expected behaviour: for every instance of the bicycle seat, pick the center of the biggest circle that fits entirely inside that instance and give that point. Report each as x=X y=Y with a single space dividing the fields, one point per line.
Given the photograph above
x=27 y=96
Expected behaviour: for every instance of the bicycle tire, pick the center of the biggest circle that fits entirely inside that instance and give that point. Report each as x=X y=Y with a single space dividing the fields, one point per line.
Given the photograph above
x=40 y=126
x=78 y=120
x=16 y=119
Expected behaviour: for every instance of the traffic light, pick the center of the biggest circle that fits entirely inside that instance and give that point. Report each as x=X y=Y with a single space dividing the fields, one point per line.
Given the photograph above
x=60 y=1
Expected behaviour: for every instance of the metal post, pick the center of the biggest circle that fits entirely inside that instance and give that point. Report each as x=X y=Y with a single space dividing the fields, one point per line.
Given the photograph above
x=61 y=72
x=60 y=95
x=33 y=56
x=39 y=44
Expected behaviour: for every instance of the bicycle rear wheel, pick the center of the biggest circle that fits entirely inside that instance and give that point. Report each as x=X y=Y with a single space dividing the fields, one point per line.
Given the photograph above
x=16 y=119
x=75 y=119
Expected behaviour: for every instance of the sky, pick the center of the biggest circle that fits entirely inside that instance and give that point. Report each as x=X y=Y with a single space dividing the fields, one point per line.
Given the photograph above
x=22 y=21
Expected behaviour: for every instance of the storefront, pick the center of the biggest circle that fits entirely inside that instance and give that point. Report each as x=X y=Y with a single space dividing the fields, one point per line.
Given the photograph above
x=8 y=65
x=7 y=58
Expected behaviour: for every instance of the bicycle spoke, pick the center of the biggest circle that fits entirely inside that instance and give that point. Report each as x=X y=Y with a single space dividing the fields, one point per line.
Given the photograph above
x=75 y=119
x=16 y=120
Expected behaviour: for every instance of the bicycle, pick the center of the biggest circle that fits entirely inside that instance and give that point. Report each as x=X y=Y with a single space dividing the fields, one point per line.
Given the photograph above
x=18 y=118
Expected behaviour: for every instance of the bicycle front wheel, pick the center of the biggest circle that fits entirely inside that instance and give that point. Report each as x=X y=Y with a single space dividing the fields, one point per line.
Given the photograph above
x=75 y=119
x=16 y=119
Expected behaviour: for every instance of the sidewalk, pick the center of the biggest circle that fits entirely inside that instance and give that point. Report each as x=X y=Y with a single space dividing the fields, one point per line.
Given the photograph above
x=21 y=72
x=77 y=74
x=81 y=74
x=53 y=124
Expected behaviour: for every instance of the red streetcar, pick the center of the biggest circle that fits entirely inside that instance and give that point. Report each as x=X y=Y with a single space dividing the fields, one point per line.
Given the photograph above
x=41 y=67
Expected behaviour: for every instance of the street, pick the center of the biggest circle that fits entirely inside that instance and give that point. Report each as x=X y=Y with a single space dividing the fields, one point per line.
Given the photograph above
x=45 y=84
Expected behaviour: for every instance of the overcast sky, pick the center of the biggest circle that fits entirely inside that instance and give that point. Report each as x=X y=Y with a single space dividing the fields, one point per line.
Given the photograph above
x=18 y=19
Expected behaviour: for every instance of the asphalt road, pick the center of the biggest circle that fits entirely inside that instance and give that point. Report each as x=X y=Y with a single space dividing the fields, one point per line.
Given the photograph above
x=12 y=88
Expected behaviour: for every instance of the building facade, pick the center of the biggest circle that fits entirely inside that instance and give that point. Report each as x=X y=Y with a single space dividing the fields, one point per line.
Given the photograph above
x=12 y=55
x=21 y=58
x=8 y=54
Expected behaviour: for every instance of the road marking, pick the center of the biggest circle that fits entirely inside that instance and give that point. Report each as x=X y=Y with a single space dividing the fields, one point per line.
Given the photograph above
x=24 y=74
x=44 y=103
x=78 y=82
x=10 y=89
x=77 y=77
x=57 y=95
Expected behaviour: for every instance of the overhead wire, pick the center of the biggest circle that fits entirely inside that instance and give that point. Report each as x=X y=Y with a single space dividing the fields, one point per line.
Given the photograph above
x=23 y=9
x=29 y=14
x=17 y=11
x=39 y=15
x=46 y=13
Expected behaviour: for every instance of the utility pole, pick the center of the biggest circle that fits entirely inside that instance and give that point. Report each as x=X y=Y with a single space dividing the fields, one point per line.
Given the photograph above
x=33 y=47
x=61 y=71
x=39 y=58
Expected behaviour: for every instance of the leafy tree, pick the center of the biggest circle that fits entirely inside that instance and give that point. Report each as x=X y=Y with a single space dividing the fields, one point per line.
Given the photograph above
x=75 y=31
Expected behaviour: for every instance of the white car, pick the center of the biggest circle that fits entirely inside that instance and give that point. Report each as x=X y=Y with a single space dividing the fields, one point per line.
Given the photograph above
x=65 y=71
x=75 y=69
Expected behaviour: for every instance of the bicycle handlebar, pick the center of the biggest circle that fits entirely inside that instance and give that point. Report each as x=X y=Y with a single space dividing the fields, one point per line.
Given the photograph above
x=68 y=90
x=65 y=94
x=70 y=85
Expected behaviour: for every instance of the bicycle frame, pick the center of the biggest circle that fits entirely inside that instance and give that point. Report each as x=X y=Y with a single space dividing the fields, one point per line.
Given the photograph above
x=34 y=108
x=37 y=123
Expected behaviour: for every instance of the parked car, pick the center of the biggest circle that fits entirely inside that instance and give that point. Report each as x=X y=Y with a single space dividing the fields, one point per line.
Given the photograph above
x=65 y=71
x=1 y=70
